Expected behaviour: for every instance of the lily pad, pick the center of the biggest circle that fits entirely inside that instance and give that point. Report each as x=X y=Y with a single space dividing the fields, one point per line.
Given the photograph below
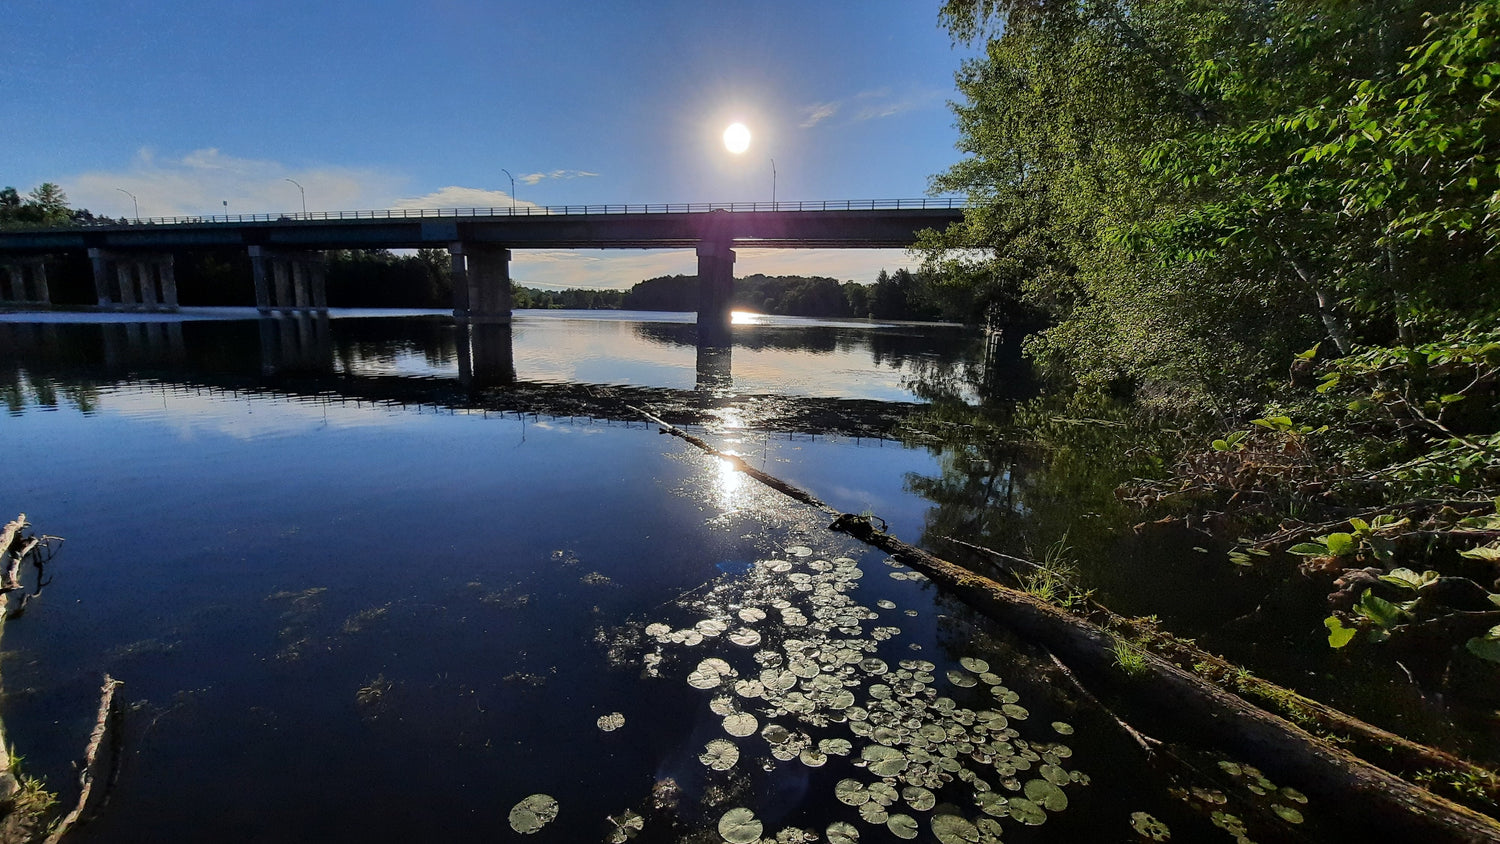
x=740 y=724
x=873 y=812
x=626 y=827
x=918 y=798
x=851 y=792
x=745 y=637
x=835 y=747
x=902 y=826
x=720 y=755
x=1062 y=728
x=1286 y=813
x=739 y=826
x=974 y=664
x=800 y=551
x=960 y=679
x=843 y=832
x=1149 y=827
x=882 y=793
x=1026 y=811
x=750 y=615
x=1293 y=795
x=954 y=829
x=992 y=803
x=611 y=722
x=1046 y=795
x=884 y=761
x=533 y=813
x=812 y=758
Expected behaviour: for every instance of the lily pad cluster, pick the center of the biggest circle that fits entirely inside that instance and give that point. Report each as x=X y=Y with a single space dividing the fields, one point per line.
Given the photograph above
x=533 y=813
x=925 y=746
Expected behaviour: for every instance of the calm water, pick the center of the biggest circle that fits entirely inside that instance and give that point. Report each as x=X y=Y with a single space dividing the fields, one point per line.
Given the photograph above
x=374 y=578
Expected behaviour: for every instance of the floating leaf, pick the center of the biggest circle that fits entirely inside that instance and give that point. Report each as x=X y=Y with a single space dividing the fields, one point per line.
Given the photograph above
x=720 y=755
x=1063 y=729
x=1026 y=811
x=745 y=637
x=800 y=551
x=902 y=826
x=813 y=758
x=750 y=615
x=739 y=826
x=960 y=679
x=1231 y=768
x=884 y=761
x=1147 y=826
x=1293 y=795
x=843 y=832
x=851 y=792
x=992 y=803
x=918 y=798
x=974 y=664
x=1229 y=823
x=626 y=827
x=1287 y=813
x=873 y=812
x=1046 y=795
x=741 y=724
x=533 y=813
x=954 y=829
x=611 y=722
x=835 y=747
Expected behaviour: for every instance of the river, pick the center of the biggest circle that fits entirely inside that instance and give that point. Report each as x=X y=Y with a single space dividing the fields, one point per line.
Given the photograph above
x=377 y=577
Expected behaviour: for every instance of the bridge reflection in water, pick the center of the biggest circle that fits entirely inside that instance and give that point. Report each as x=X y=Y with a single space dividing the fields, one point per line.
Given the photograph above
x=436 y=362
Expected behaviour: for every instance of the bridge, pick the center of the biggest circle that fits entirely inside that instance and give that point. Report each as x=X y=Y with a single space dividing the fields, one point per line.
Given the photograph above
x=132 y=262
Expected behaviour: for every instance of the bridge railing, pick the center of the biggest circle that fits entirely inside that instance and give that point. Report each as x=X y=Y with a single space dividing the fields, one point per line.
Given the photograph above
x=556 y=210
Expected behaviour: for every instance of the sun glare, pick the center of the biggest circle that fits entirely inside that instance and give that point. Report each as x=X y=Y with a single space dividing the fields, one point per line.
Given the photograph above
x=736 y=138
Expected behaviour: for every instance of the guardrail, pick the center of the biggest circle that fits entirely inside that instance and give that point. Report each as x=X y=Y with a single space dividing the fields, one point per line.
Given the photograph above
x=556 y=210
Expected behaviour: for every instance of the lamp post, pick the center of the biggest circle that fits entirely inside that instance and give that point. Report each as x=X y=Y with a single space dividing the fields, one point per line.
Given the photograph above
x=304 y=195
x=773 y=184
x=512 y=189
x=132 y=199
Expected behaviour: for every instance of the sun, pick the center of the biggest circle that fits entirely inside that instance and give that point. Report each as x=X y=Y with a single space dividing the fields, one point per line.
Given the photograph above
x=736 y=138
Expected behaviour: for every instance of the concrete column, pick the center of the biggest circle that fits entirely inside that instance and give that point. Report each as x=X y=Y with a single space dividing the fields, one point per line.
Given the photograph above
x=715 y=286
x=125 y=272
x=100 y=260
x=282 y=274
x=168 y=268
x=319 y=271
x=39 y=280
x=458 y=274
x=485 y=275
x=262 y=286
x=146 y=272
x=300 y=298
x=17 y=282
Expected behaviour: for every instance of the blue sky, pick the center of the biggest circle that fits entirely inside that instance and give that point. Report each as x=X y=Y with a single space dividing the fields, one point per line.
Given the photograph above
x=387 y=105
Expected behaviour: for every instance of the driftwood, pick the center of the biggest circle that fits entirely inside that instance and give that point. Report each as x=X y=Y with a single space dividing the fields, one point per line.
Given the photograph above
x=1400 y=753
x=1405 y=811
x=10 y=531
x=13 y=570
x=1402 y=810
x=90 y=758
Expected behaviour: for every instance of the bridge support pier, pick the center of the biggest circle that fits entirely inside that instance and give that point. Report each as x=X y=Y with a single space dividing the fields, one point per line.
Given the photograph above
x=289 y=281
x=141 y=281
x=481 y=282
x=28 y=283
x=715 y=287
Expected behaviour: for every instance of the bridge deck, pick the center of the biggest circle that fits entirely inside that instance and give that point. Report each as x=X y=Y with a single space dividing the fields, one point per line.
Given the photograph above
x=820 y=226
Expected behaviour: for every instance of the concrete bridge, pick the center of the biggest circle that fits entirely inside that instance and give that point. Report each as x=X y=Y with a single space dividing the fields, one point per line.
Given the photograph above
x=132 y=262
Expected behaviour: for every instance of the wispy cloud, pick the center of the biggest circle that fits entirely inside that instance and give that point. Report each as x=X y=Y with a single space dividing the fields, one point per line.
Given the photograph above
x=817 y=113
x=870 y=105
x=201 y=181
x=455 y=196
x=533 y=178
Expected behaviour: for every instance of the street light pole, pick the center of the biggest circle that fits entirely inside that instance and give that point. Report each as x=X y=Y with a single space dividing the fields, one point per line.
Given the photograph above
x=304 y=195
x=512 y=189
x=132 y=199
x=773 y=184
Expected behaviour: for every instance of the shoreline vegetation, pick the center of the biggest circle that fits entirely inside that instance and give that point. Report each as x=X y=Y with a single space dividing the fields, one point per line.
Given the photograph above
x=1263 y=242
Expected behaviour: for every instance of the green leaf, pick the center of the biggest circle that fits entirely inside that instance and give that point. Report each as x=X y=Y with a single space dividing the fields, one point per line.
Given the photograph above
x=1309 y=354
x=1308 y=549
x=1220 y=445
x=1379 y=610
x=1485 y=647
x=1359 y=525
x=1449 y=398
x=1489 y=554
x=1338 y=634
x=1341 y=544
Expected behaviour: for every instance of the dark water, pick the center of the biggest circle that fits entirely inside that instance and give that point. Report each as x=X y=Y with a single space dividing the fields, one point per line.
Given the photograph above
x=377 y=578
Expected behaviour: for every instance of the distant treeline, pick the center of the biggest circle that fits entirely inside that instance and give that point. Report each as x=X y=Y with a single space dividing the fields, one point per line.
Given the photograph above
x=899 y=295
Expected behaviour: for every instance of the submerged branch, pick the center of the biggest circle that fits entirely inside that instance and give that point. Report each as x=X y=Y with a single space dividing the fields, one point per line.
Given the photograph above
x=90 y=757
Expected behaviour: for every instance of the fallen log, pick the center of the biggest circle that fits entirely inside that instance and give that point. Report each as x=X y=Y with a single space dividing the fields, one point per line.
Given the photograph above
x=90 y=758
x=9 y=532
x=12 y=580
x=1405 y=810
x=1395 y=752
